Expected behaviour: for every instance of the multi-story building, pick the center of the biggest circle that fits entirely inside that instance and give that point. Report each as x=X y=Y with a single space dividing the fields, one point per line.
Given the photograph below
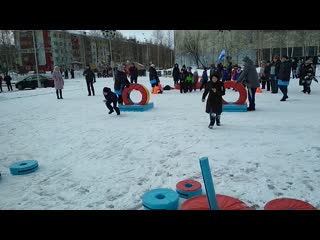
x=67 y=49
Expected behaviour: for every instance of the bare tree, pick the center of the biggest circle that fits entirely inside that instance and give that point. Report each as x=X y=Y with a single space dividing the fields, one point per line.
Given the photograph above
x=158 y=37
x=192 y=45
x=170 y=45
x=8 y=53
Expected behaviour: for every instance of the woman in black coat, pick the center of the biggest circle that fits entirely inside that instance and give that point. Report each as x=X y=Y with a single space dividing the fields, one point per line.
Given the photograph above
x=216 y=90
x=121 y=81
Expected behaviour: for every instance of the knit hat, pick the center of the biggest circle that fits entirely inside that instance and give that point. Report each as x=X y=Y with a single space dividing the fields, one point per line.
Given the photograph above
x=217 y=75
x=106 y=89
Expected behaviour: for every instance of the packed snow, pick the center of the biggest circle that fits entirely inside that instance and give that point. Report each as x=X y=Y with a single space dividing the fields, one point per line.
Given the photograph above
x=89 y=159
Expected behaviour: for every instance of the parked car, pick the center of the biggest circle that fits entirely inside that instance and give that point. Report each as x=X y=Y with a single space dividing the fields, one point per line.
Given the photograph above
x=32 y=82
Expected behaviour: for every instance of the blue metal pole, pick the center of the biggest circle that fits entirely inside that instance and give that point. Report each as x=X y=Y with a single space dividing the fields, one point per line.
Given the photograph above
x=208 y=183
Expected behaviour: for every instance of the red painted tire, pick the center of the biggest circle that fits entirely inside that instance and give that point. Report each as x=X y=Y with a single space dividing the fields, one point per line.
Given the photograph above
x=144 y=92
x=188 y=188
x=241 y=90
x=288 y=204
x=224 y=203
x=188 y=185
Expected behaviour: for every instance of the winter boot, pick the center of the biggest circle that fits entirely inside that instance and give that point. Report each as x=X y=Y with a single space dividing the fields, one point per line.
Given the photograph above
x=117 y=110
x=218 y=120
x=212 y=120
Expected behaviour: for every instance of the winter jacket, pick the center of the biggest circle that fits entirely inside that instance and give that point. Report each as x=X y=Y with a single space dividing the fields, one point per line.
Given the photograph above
x=216 y=90
x=277 y=68
x=195 y=78
x=226 y=75
x=284 y=71
x=176 y=73
x=249 y=75
x=133 y=72
x=58 y=80
x=120 y=82
x=273 y=69
x=153 y=75
x=204 y=77
x=183 y=74
x=267 y=72
x=109 y=95
x=237 y=75
x=7 y=79
x=90 y=76
x=189 y=77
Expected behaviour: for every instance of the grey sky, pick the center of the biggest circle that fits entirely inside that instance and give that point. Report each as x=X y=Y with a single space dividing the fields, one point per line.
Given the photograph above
x=139 y=34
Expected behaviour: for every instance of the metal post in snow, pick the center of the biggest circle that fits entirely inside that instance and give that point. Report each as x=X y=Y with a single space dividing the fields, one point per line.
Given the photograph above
x=208 y=182
x=35 y=58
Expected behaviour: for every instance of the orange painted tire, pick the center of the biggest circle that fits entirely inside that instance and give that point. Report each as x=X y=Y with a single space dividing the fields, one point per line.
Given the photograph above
x=224 y=203
x=142 y=89
x=242 y=92
x=288 y=204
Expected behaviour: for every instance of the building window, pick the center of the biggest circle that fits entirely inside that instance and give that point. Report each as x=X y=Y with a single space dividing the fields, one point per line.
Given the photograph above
x=250 y=37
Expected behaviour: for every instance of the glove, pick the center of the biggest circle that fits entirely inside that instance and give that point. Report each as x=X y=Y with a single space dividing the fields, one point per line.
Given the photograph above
x=202 y=100
x=214 y=90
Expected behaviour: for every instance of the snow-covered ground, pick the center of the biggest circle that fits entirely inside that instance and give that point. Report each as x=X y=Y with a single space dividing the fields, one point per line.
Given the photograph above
x=91 y=160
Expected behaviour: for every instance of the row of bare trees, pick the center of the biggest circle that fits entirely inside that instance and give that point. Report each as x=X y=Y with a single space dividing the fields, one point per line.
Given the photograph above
x=8 y=52
x=158 y=50
x=198 y=44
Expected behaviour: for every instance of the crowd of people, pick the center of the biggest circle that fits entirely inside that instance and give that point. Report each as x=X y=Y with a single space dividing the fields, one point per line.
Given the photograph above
x=271 y=76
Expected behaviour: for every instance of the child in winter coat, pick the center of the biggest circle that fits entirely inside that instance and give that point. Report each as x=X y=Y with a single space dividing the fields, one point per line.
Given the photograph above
x=111 y=97
x=216 y=90
x=307 y=80
x=195 y=80
x=189 y=80
x=204 y=79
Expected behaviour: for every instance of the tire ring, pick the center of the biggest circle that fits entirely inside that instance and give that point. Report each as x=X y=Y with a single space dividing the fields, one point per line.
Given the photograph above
x=188 y=188
x=143 y=90
x=23 y=167
x=242 y=92
x=161 y=199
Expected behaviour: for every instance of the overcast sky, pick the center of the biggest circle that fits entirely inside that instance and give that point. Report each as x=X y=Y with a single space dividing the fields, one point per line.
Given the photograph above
x=139 y=34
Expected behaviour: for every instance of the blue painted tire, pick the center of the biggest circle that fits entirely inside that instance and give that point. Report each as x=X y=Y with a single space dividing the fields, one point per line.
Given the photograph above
x=161 y=199
x=23 y=167
x=188 y=188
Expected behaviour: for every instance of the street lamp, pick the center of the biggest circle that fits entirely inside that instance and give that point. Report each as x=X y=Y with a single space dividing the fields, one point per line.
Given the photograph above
x=147 y=47
x=109 y=34
x=35 y=57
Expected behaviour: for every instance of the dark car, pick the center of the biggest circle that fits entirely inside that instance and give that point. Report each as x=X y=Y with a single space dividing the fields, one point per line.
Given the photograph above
x=32 y=82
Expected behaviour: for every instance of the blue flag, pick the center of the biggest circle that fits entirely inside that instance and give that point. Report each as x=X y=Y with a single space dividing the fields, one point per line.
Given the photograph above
x=221 y=56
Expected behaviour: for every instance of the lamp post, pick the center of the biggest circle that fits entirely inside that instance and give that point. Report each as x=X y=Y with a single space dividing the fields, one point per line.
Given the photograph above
x=109 y=34
x=147 y=59
x=35 y=58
